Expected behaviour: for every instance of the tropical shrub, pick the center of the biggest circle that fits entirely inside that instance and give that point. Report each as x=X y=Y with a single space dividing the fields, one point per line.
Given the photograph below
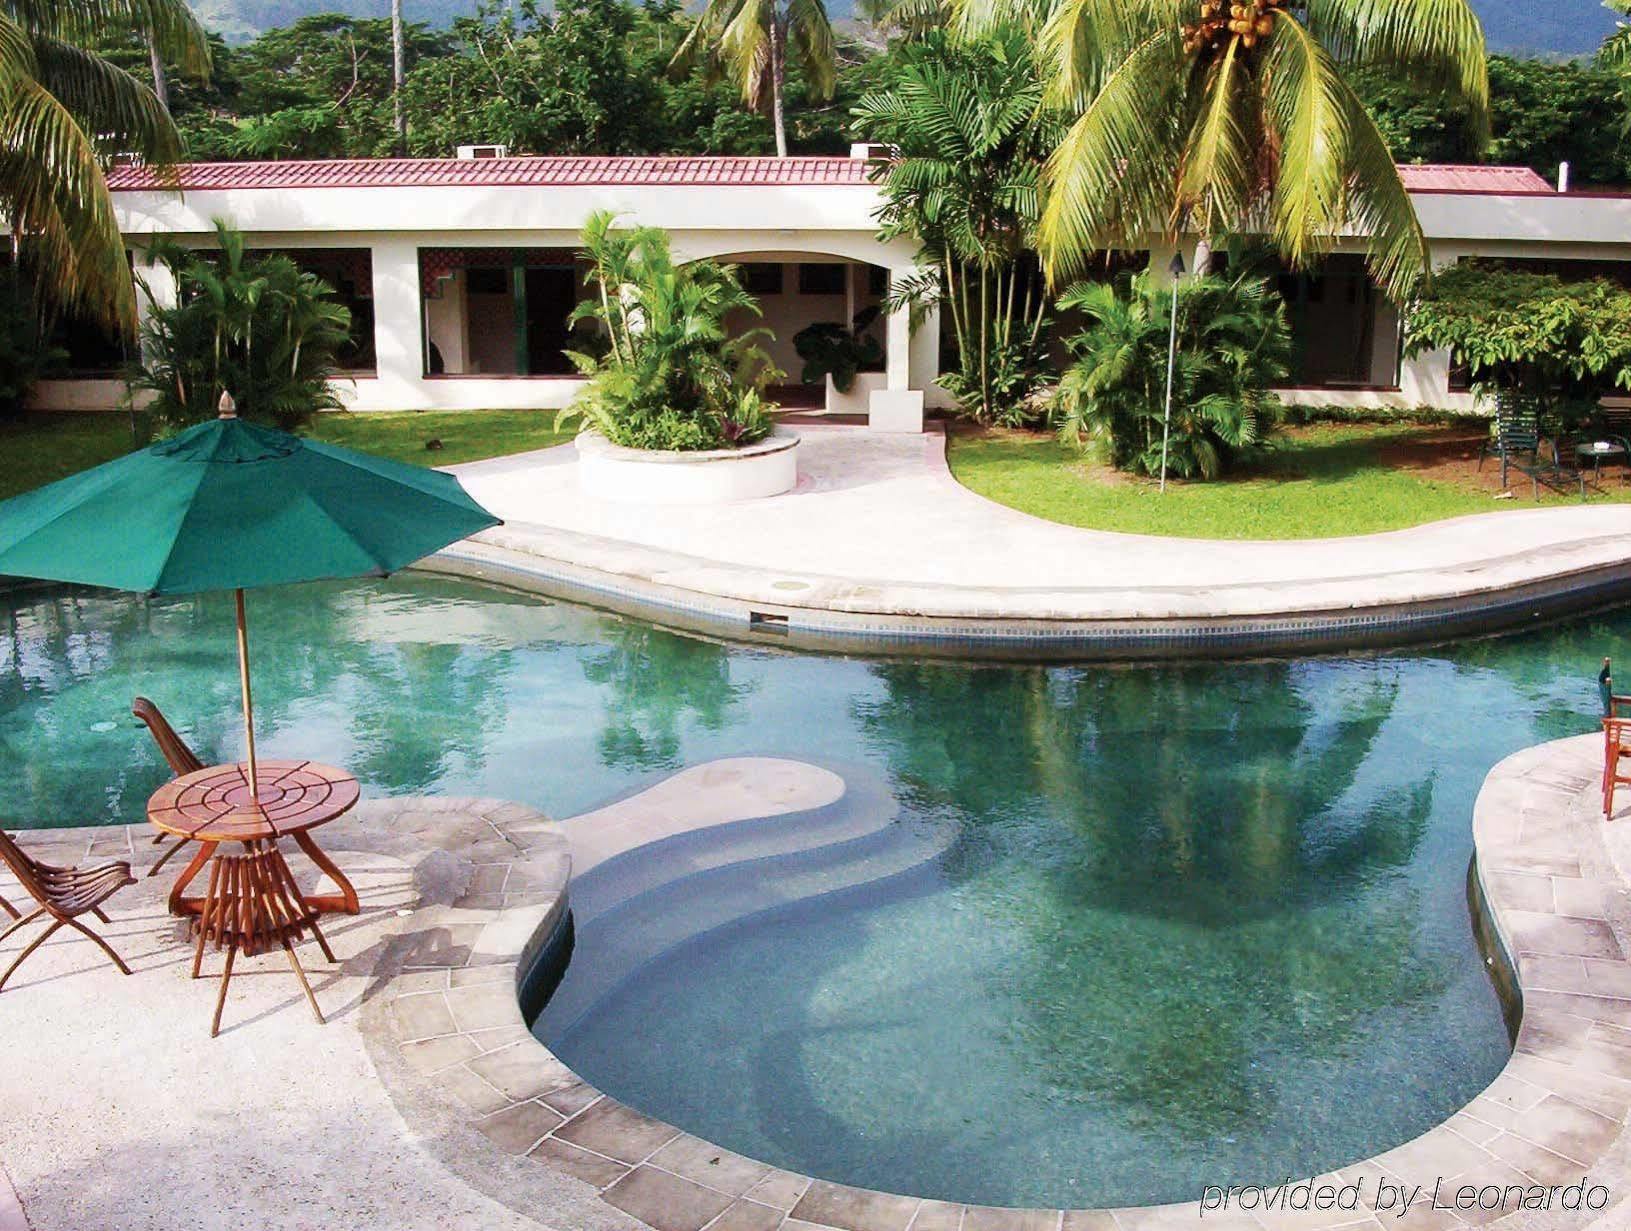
x=829 y=349
x=1234 y=344
x=671 y=375
x=969 y=131
x=1563 y=343
x=25 y=356
x=255 y=326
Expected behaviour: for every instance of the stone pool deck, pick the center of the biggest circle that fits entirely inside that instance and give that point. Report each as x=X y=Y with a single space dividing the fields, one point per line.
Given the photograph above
x=426 y=1103
x=880 y=544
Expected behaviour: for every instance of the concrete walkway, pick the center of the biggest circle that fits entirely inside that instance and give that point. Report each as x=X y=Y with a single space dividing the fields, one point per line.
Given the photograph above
x=879 y=525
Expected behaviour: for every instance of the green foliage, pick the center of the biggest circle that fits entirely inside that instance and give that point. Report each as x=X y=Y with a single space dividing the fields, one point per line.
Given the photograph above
x=829 y=349
x=1234 y=344
x=1542 y=113
x=753 y=43
x=969 y=134
x=24 y=356
x=257 y=327
x=672 y=375
x=1564 y=343
x=578 y=77
x=64 y=109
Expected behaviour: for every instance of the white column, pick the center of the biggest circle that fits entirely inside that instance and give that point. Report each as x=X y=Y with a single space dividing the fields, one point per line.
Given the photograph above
x=1425 y=379
x=156 y=287
x=398 y=332
x=897 y=407
x=923 y=369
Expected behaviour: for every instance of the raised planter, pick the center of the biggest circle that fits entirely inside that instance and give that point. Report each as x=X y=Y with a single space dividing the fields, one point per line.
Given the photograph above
x=718 y=476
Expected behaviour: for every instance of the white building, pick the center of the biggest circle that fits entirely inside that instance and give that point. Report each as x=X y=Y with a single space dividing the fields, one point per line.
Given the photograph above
x=460 y=272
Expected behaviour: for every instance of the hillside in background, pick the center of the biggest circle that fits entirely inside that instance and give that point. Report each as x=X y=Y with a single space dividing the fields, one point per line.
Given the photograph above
x=1554 y=27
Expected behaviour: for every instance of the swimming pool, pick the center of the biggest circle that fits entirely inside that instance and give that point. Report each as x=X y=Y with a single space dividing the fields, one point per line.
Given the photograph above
x=1176 y=925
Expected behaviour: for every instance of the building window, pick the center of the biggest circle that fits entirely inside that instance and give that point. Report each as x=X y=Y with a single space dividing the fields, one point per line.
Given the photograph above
x=1344 y=330
x=821 y=279
x=349 y=272
x=761 y=278
x=499 y=312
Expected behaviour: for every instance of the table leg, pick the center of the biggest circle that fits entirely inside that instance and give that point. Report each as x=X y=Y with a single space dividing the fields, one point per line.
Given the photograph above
x=346 y=900
x=179 y=904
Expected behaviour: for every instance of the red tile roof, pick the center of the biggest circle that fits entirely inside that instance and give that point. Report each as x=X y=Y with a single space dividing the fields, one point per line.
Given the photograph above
x=552 y=171
x=540 y=172
x=1501 y=181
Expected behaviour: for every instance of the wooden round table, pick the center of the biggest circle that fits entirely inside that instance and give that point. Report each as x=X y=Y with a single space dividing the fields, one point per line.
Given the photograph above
x=214 y=805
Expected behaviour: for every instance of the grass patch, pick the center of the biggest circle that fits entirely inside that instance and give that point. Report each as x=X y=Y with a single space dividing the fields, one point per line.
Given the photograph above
x=1315 y=482
x=466 y=435
x=40 y=449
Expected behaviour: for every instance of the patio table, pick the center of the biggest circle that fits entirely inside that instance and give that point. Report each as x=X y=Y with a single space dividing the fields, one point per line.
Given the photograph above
x=1594 y=451
x=214 y=805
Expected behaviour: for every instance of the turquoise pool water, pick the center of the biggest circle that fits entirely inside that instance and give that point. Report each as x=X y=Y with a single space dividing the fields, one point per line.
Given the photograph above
x=1190 y=924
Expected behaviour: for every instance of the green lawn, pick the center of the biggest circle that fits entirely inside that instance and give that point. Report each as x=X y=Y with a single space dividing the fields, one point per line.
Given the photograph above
x=1318 y=482
x=40 y=449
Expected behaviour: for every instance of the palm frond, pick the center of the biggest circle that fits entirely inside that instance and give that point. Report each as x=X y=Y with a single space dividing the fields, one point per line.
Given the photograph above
x=811 y=38
x=1306 y=108
x=123 y=112
x=1219 y=173
x=1380 y=206
x=1438 y=44
x=1111 y=180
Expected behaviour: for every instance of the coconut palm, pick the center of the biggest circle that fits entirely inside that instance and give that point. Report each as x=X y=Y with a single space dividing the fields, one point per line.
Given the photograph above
x=1213 y=117
x=63 y=111
x=750 y=41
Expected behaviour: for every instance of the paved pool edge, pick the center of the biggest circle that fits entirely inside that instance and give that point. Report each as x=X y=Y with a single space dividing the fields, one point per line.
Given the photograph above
x=547 y=570
x=881 y=550
x=1556 y=1113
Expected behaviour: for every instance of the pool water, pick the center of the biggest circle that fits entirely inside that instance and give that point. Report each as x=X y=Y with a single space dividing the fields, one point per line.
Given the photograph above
x=1189 y=924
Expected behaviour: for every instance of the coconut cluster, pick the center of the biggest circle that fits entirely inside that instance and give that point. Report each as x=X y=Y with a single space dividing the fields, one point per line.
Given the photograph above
x=1220 y=21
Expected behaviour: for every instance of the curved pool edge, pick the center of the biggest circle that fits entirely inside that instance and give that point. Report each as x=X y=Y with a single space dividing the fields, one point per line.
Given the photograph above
x=1556 y=1113
x=702 y=596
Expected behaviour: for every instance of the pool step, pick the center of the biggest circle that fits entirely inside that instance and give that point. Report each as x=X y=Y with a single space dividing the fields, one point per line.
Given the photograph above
x=867 y=806
x=616 y=941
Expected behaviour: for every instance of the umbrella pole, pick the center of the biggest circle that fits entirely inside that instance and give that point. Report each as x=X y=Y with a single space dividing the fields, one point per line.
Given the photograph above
x=249 y=709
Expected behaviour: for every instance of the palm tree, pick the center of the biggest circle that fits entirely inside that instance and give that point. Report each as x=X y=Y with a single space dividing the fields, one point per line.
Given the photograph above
x=968 y=135
x=63 y=110
x=750 y=40
x=1214 y=116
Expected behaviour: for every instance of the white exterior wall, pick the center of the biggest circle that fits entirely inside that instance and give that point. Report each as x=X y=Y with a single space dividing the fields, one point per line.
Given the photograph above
x=787 y=223
x=796 y=223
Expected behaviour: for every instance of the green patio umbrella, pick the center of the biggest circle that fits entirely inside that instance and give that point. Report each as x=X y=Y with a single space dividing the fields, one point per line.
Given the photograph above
x=229 y=505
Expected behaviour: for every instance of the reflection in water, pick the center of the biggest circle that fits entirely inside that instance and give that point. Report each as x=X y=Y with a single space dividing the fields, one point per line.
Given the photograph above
x=1196 y=921
x=1208 y=803
x=656 y=680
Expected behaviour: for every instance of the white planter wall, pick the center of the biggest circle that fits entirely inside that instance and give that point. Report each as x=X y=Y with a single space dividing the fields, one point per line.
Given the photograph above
x=638 y=476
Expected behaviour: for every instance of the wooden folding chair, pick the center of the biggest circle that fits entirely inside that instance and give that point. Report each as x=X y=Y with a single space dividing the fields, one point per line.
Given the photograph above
x=252 y=904
x=181 y=759
x=1616 y=736
x=62 y=894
